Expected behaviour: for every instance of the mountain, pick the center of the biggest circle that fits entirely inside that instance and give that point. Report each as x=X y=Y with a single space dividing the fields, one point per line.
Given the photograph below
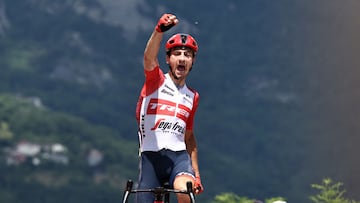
x=278 y=85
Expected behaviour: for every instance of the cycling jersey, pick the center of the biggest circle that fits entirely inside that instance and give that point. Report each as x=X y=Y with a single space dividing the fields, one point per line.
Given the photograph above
x=164 y=112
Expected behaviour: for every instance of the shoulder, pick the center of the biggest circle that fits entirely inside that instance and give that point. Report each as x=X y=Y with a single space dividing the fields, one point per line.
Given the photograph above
x=154 y=74
x=192 y=93
x=196 y=93
x=153 y=80
x=155 y=71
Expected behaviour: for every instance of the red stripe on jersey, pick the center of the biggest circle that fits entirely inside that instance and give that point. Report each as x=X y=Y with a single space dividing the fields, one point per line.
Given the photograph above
x=183 y=112
x=168 y=108
x=161 y=107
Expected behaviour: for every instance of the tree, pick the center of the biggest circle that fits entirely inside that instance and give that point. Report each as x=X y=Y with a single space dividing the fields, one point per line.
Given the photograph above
x=5 y=132
x=231 y=198
x=330 y=193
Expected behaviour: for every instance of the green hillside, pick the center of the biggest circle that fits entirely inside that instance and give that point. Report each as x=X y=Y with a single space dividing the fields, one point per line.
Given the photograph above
x=278 y=85
x=37 y=172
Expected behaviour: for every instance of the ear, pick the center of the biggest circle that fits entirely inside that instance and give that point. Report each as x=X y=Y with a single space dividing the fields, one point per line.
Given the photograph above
x=167 y=59
x=193 y=60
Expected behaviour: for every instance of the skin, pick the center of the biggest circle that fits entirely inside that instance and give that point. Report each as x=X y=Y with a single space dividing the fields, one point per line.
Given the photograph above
x=180 y=62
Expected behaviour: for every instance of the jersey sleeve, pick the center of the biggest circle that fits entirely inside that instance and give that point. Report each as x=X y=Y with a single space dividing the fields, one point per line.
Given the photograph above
x=190 y=121
x=153 y=80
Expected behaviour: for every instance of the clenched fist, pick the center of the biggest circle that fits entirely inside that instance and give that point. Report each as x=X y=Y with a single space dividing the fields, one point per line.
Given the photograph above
x=166 y=22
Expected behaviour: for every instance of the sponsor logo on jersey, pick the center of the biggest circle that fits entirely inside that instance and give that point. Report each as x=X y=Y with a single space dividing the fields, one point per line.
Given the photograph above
x=169 y=88
x=168 y=108
x=163 y=125
x=167 y=92
x=187 y=100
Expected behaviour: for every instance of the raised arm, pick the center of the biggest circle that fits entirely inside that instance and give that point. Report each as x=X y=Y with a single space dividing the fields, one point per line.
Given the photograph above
x=153 y=45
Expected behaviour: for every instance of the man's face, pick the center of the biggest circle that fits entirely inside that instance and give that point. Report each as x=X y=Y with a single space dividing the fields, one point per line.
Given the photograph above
x=180 y=61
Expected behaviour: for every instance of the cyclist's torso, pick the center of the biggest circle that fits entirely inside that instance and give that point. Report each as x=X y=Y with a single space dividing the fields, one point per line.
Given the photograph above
x=164 y=113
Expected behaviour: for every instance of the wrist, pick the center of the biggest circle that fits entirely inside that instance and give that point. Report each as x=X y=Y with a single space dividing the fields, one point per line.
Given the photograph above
x=158 y=29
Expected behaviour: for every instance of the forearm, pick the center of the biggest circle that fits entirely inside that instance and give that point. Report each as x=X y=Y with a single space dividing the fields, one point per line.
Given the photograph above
x=191 y=148
x=152 y=50
x=153 y=45
x=194 y=161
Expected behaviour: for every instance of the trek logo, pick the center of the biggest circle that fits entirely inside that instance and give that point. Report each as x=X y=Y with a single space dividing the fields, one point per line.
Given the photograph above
x=168 y=108
x=164 y=126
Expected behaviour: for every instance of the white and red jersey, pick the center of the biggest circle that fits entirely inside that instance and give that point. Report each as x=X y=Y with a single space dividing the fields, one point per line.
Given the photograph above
x=164 y=112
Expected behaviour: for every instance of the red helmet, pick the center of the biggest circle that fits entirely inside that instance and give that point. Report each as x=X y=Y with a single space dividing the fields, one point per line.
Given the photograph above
x=181 y=40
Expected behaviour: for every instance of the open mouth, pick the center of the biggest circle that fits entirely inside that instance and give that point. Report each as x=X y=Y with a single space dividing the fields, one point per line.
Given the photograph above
x=180 y=68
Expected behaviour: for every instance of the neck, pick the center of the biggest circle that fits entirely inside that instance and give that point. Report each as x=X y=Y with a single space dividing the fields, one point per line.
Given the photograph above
x=179 y=82
x=179 y=86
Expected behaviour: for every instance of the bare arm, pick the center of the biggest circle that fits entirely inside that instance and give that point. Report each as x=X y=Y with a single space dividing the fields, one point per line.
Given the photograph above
x=153 y=45
x=152 y=51
x=191 y=148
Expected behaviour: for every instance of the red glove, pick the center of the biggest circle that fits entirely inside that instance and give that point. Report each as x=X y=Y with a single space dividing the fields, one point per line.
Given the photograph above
x=198 y=188
x=164 y=23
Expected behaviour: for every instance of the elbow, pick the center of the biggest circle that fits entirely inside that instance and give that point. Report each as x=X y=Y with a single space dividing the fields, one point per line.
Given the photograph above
x=147 y=59
x=150 y=63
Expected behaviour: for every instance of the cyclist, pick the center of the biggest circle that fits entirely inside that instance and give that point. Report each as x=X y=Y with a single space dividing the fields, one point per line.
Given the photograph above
x=165 y=114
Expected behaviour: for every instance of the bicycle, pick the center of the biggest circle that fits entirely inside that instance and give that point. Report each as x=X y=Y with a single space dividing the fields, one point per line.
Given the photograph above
x=161 y=194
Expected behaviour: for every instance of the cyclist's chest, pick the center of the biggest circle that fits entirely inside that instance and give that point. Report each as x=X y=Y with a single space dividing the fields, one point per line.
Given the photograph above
x=167 y=100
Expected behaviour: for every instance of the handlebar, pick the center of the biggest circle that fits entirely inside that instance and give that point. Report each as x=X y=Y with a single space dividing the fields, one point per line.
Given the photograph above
x=159 y=192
